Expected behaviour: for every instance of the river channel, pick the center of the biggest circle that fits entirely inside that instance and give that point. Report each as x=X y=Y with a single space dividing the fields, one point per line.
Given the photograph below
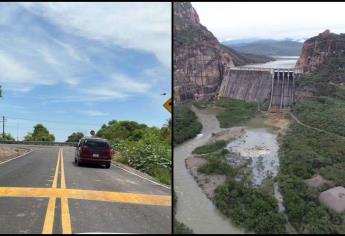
x=258 y=143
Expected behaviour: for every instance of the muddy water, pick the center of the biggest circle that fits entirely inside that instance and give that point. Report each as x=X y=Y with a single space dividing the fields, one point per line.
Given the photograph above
x=193 y=207
x=259 y=145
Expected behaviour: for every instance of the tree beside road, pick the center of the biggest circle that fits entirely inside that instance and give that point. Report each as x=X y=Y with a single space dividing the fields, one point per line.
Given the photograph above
x=75 y=137
x=40 y=133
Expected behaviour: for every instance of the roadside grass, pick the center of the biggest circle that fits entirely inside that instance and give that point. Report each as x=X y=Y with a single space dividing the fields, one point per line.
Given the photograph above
x=162 y=175
x=150 y=157
x=186 y=124
x=235 y=112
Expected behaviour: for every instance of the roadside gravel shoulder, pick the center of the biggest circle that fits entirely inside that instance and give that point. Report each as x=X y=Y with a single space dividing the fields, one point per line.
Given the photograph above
x=7 y=153
x=139 y=174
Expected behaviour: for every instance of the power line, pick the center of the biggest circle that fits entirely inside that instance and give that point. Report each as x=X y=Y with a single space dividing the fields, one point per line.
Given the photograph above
x=58 y=122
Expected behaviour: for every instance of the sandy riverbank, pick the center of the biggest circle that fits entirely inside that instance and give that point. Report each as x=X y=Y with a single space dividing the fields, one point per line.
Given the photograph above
x=209 y=183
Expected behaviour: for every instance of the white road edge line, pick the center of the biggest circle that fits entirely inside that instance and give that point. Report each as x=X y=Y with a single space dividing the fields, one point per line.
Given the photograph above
x=31 y=150
x=141 y=177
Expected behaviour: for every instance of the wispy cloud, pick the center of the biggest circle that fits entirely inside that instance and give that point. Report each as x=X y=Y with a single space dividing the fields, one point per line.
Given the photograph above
x=15 y=71
x=126 y=84
x=94 y=113
x=148 y=28
x=66 y=61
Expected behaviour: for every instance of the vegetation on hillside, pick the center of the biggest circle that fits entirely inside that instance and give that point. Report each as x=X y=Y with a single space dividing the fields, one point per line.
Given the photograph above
x=234 y=111
x=241 y=59
x=147 y=149
x=40 y=133
x=186 y=124
x=75 y=137
x=306 y=152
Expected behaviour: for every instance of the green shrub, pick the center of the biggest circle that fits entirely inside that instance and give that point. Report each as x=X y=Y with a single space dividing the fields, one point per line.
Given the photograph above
x=249 y=208
x=186 y=124
x=208 y=148
x=147 y=149
x=234 y=112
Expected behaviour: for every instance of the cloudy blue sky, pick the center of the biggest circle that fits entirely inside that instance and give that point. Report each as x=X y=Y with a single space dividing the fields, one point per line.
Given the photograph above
x=75 y=66
x=276 y=20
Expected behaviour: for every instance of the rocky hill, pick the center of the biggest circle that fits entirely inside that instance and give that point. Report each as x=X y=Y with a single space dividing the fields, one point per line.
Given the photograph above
x=199 y=58
x=320 y=50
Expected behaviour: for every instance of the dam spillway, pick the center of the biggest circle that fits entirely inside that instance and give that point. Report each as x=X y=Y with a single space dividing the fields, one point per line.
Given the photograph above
x=283 y=90
x=260 y=84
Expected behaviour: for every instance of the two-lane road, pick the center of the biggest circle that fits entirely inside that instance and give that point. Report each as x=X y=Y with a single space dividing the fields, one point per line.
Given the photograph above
x=45 y=192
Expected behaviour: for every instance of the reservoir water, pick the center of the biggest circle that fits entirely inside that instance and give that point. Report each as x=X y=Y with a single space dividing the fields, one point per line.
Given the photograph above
x=280 y=62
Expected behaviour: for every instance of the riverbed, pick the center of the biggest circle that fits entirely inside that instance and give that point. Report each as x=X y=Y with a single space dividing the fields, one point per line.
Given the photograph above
x=193 y=207
x=259 y=146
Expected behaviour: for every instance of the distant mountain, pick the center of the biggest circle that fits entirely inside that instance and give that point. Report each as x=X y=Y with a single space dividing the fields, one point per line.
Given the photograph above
x=239 y=42
x=241 y=58
x=269 y=47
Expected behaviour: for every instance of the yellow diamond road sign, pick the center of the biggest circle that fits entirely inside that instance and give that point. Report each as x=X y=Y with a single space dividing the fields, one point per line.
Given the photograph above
x=168 y=105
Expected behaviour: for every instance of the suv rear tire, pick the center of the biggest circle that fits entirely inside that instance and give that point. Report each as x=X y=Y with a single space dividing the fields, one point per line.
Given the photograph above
x=107 y=166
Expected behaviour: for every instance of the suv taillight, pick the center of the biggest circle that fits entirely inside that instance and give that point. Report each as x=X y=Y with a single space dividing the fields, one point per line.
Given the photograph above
x=109 y=152
x=84 y=150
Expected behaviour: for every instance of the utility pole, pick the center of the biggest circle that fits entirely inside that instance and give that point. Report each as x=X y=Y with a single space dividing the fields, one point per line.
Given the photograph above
x=3 y=126
x=17 y=131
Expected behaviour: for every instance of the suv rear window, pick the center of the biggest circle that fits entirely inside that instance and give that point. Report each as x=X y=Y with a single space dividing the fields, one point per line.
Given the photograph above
x=95 y=144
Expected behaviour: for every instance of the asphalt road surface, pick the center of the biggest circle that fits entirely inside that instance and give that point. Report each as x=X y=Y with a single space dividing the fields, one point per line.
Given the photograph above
x=45 y=192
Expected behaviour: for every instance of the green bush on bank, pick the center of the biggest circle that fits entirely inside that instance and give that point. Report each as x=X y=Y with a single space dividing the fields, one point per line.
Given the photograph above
x=208 y=148
x=186 y=124
x=249 y=208
x=253 y=209
x=234 y=112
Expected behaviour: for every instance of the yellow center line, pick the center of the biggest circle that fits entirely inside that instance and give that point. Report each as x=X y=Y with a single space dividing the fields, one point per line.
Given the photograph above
x=54 y=192
x=49 y=218
x=93 y=195
x=65 y=216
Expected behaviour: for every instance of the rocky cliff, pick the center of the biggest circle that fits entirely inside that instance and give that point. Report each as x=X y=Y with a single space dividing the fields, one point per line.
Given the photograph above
x=320 y=49
x=198 y=56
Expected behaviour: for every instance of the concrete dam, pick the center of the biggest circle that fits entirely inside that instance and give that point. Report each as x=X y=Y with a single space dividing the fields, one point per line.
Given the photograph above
x=260 y=84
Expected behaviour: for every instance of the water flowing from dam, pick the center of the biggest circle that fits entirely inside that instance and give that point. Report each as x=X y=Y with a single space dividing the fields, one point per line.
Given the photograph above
x=193 y=207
